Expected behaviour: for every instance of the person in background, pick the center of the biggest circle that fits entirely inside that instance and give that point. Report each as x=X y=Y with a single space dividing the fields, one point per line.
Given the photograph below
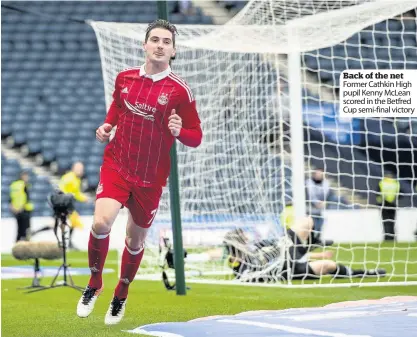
x=287 y=216
x=318 y=190
x=184 y=7
x=20 y=205
x=71 y=183
x=389 y=189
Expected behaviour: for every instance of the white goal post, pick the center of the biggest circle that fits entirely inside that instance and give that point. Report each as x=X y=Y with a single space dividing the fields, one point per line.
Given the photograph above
x=262 y=82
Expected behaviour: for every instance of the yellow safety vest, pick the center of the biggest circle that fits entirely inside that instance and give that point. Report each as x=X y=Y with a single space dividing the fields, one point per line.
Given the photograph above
x=18 y=196
x=287 y=216
x=70 y=183
x=389 y=189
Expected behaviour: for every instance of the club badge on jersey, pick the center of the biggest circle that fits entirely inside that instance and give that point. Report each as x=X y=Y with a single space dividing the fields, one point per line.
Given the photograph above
x=163 y=99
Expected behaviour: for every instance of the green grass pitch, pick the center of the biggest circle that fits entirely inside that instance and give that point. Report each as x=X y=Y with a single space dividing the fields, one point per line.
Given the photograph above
x=52 y=313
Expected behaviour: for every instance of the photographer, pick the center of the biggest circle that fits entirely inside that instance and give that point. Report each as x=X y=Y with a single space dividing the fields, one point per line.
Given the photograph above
x=71 y=183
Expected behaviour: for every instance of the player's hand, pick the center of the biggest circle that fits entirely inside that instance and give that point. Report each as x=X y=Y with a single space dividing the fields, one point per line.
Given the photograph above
x=174 y=123
x=103 y=132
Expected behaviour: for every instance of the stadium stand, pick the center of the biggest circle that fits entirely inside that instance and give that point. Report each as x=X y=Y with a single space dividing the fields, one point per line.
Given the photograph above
x=389 y=44
x=56 y=64
x=52 y=86
x=398 y=142
x=328 y=63
x=232 y=6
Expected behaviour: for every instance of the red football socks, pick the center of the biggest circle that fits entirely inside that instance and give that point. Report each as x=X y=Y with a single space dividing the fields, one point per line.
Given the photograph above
x=130 y=265
x=98 y=246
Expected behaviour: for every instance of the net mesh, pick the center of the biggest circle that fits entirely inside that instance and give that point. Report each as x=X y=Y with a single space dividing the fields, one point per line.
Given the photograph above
x=240 y=176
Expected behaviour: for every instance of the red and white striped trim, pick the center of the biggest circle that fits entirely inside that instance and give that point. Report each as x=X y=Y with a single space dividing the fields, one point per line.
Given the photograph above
x=181 y=82
x=99 y=236
x=134 y=252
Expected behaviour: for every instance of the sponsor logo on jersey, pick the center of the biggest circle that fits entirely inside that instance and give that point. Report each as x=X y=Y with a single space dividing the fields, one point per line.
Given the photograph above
x=142 y=109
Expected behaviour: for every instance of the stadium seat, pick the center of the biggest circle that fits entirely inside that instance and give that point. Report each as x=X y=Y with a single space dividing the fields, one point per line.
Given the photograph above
x=311 y=62
x=5 y=211
x=19 y=135
x=92 y=181
x=409 y=25
x=34 y=147
x=48 y=155
x=9 y=171
x=63 y=164
x=206 y=20
x=354 y=64
x=6 y=129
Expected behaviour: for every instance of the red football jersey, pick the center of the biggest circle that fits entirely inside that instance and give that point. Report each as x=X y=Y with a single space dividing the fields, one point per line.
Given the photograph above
x=141 y=106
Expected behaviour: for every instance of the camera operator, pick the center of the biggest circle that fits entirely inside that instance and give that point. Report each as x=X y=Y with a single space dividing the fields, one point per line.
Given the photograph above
x=71 y=183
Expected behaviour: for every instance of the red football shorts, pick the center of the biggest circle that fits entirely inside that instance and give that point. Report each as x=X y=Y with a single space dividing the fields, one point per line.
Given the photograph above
x=142 y=202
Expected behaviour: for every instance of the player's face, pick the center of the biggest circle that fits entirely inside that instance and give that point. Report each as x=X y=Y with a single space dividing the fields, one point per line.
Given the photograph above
x=25 y=177
x=319 y=175
x=78 y=169
x=159 y=48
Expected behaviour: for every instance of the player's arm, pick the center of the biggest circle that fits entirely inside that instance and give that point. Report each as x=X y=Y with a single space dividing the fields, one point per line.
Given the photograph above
x=115 y=109
x=184 y=122
x=322 y=255
x=78 y=195
x=112 y=117
x=113 y=114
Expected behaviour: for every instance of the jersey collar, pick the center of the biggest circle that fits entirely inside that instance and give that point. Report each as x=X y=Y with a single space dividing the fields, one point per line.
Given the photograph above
x=155 y=77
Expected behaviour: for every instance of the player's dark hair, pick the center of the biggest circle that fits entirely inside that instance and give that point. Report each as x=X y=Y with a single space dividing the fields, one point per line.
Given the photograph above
x=164 y=25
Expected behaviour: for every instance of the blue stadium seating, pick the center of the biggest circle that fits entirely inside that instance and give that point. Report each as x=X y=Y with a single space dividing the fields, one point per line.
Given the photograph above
x=45 y=58
x=390 y=44
x=232 y=6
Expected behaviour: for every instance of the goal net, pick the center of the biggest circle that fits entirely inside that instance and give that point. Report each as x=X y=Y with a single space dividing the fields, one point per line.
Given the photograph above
x=267 y=88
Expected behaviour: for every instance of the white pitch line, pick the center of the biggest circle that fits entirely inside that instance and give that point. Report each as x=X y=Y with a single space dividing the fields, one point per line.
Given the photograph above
x=290 y=329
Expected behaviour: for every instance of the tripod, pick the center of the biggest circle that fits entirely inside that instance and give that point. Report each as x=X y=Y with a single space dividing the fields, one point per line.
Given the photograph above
x=36 y=280
x=62 y=217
